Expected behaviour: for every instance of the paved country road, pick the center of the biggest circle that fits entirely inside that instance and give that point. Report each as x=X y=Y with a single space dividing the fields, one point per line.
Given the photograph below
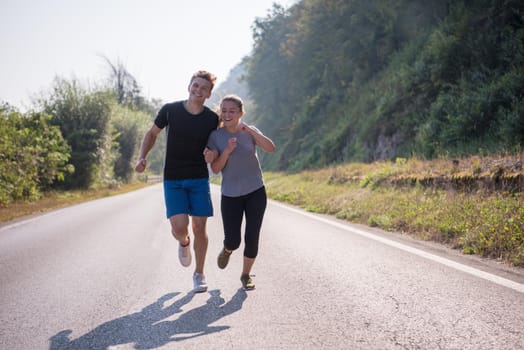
x=105 y=275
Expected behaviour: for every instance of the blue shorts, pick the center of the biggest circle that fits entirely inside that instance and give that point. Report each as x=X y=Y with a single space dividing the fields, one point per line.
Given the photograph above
x=191 y=196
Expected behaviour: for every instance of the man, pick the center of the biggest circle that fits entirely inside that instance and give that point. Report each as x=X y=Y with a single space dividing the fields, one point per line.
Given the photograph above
x=186 y=178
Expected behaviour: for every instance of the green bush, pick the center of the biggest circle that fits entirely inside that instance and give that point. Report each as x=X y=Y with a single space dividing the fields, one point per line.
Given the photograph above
x=33 y=155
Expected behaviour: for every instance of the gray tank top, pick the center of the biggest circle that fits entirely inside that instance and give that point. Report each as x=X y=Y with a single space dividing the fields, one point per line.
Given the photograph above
x=241 y=174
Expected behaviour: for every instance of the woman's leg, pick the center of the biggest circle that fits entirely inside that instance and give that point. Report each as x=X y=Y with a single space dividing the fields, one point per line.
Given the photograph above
x=232 y=212
x=255 y=208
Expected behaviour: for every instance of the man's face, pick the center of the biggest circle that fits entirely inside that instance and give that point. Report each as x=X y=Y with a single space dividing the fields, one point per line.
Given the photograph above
x=200 y=89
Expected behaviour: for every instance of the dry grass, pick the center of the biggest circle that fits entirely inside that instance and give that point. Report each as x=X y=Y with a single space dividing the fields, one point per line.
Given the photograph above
x=475 y=204
x=55 y=200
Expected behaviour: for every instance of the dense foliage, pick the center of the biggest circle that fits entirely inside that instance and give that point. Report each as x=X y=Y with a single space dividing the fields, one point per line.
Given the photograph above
x=33 y=155
x=83 y=118
x=78 y=138
x=336 y=80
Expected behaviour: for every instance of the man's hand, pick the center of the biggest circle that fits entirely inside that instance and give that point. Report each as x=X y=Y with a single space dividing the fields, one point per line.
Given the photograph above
x=140 y=165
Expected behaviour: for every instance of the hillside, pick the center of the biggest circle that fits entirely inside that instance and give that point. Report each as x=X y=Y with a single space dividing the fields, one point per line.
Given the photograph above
x=336 y=81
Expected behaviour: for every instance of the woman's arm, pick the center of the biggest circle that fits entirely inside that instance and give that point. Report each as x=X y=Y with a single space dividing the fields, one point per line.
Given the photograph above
x=261 y=140
x=219 y=163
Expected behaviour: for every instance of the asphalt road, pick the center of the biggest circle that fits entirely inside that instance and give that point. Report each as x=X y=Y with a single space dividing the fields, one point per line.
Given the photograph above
x=105 y=275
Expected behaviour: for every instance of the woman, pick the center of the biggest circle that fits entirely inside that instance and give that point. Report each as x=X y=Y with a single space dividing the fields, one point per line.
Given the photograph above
x=243 y=191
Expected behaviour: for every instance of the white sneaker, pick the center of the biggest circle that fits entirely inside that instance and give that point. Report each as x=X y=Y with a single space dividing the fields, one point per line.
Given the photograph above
x=184 y=254
x=199 y=283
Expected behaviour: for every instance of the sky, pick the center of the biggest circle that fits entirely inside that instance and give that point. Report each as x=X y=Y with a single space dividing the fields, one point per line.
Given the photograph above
x=160 y=42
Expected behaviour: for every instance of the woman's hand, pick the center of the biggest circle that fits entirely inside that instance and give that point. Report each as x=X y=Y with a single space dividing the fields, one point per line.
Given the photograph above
x=210 y=155
x=243 y=127
x=231 y=145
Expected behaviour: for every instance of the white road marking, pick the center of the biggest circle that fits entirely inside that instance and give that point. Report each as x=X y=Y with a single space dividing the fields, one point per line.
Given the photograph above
x=464 y=268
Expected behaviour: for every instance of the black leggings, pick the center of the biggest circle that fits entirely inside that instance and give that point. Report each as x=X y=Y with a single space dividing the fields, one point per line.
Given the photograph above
x=253 y=205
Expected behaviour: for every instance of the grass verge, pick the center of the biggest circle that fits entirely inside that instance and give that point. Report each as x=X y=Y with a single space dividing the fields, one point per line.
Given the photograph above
x=55 y=200
x=474 y=205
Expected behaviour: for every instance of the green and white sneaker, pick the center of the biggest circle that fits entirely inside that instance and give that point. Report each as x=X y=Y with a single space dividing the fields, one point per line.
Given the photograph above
x=247 y=282
x=223 y=258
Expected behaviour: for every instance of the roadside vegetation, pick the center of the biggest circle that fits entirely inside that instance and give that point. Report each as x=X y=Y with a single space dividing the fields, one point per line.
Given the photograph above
x=76 y=138
x=60 y=199
x=475 y=204
x=361 y=81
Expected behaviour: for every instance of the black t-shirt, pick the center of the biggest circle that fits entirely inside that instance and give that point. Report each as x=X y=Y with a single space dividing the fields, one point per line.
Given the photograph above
x=187 y=136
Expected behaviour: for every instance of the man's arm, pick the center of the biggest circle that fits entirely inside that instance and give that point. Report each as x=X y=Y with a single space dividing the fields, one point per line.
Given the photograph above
x=147 y=143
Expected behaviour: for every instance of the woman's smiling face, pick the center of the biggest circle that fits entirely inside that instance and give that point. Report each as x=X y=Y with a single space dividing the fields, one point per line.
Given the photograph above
x=230 y=113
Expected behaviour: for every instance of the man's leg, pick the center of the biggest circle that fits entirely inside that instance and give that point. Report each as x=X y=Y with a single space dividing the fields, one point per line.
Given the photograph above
x=201 y=241
x=179 y=229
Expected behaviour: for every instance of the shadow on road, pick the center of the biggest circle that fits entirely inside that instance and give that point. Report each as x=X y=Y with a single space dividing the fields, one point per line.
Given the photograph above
x=148 y=328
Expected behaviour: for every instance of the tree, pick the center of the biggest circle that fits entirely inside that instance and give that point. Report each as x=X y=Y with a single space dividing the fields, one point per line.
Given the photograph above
x=124 y=84
x=128 y=127
x=83 y=117
x=341 y=80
